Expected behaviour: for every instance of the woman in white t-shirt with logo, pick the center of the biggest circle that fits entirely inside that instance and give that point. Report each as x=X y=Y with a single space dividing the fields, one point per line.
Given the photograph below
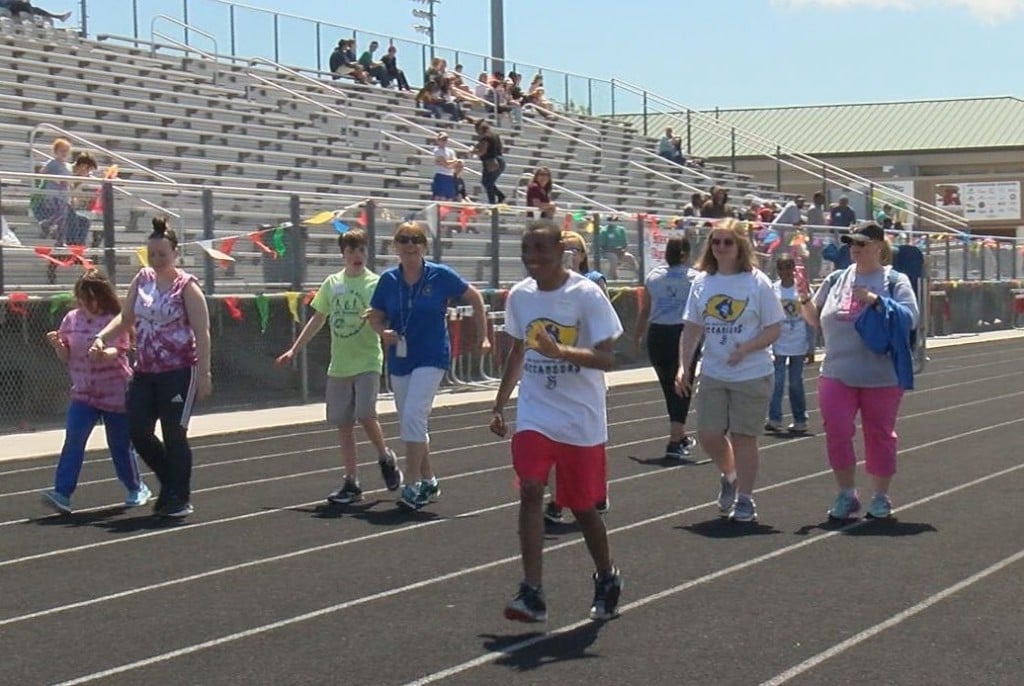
x=443 y=185
x=733 y=308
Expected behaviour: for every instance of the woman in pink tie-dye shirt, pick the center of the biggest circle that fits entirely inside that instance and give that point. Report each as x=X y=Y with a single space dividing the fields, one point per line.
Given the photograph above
x=172 y=366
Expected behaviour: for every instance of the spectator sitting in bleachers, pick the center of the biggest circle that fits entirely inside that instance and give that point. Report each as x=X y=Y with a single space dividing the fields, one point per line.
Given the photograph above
x=670 y=148
x=438 y=98
x=614 y=244
x=78 y=220
x=538 y=193
x=374 y=69
x=19 y=7
x=390 y=62
x=435 y=72
x=343 y=62
x=50 y=201
x=693 y=208
x=816 y=212
x=717 y=206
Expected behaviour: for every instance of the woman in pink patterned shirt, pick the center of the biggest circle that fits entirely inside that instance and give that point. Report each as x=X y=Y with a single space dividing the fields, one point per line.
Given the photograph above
x=172 y=366
x=98 y=386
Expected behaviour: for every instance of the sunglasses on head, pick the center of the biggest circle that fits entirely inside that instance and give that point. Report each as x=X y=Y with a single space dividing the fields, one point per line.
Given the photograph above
x=727 y=242
x=405 y=240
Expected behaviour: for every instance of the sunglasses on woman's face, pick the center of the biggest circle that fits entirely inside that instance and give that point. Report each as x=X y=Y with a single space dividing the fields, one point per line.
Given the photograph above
x=406 y=240
x=727 y=242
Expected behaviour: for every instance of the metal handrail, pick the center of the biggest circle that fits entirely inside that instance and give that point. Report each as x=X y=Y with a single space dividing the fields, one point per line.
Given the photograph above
x=271 y=83
x=297 y=75
x=666 y=177
x=120 y=158
x=421 y=148
x=212 y=57
x=563 y=134
x=559 y=115
x=562 y=189
x=426 y=129
x=847 y=177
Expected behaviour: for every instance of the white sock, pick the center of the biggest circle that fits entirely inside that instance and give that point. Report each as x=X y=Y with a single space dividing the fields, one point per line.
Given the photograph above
x=730 y=477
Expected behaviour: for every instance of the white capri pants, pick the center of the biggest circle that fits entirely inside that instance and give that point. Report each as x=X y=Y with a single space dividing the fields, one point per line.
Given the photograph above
x=414 y=399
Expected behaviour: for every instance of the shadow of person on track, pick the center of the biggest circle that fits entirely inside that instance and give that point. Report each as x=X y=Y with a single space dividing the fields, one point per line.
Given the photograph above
x=720 y=527
x=79 y=518
x=870 y=527
x=571 y=645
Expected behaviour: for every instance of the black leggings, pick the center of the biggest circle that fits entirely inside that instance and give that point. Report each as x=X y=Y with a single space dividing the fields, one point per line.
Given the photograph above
x=168 y=397
x=663 y=351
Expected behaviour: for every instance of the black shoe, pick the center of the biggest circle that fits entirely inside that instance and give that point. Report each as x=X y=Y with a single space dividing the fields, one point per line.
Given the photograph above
x=160 y=503
x=607 y=589
x=553 y=513
x=603 y=506
x=527 y=605
x=390 y=471
x=349 y=492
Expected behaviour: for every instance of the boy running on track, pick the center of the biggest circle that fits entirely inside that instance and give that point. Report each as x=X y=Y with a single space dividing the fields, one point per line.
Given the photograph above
x=564 y=330
x=353 y=377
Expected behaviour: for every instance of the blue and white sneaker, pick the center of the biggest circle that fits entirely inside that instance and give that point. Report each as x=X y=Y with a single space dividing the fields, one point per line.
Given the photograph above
x=138 y=498
x=430 y=489
x=58 y=502
x=880 y=506
x=412 y=497
x=845 y=506
x=726 y=495
x=743 y=510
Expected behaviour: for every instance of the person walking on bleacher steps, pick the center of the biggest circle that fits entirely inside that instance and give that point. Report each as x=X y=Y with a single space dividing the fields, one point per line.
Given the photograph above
x=564 y=331
x=490 y=150
x=854 y=378
x=98 y=385
x=666 y=290
x=172 y=366
x=790 y=352
x=409 y=311
x=353 y=376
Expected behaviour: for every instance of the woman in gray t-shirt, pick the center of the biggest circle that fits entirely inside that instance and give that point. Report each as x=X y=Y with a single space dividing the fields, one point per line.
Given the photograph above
x=853 y=378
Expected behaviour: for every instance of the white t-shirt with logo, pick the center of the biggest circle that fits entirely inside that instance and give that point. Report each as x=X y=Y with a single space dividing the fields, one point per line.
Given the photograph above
x=447 y=154
x=792 y=340
x=559 y=399
x=733 y=309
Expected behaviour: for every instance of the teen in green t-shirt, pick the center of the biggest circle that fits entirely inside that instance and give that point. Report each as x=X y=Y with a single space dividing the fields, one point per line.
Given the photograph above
x=353 y=377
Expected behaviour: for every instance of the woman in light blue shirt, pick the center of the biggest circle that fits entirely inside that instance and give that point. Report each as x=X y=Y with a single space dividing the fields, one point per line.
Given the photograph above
x=667 y=287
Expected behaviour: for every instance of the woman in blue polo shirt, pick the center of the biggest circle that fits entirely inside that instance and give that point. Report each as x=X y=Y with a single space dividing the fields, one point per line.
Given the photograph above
x=409 y=311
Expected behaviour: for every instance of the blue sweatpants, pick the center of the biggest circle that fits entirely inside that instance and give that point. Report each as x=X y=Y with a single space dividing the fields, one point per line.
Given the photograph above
x=81 y=419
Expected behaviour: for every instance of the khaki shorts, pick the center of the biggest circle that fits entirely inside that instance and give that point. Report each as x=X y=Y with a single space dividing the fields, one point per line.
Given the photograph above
x=736 y=407
x=352 y=397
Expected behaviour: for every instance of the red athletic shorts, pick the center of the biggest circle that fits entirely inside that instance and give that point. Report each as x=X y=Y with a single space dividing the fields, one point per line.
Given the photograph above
x=579 y=470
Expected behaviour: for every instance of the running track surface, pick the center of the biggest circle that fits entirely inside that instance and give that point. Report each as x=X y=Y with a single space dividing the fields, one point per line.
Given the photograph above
x=267 y=585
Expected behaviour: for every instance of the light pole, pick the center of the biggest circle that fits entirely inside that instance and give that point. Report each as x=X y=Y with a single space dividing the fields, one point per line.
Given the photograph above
x=429 y=14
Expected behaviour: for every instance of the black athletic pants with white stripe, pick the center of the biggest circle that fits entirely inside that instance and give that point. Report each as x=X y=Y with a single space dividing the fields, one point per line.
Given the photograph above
x=663 y=352
x=169 y=398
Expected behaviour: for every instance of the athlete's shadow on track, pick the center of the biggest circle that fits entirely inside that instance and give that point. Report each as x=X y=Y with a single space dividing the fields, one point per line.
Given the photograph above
x=870 y=527
x=665 y=462
x=571 y=645
x=144 y=522
x=79 y=518
x=386 y=514
x=720 y=527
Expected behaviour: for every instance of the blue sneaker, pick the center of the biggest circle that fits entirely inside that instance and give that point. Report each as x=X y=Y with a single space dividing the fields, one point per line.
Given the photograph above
x=726 y=495
x=412 y=497
x=57 y=502
x=845 y=506
x=880 y=507
x=138 y=498
x=430 y=489
x=743 y=510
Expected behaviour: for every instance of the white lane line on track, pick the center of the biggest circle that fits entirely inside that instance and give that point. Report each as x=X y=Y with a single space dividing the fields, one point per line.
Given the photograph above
x=896 y=619
x=252 y=515
x=809 y=371
x=306 y=451
x=494 y=655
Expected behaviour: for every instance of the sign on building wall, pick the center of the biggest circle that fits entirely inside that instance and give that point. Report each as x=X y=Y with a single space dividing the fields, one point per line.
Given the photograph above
x=980 y=201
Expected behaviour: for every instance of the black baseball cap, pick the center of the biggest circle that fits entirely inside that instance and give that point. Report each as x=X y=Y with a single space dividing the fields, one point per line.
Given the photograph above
x=863 y=234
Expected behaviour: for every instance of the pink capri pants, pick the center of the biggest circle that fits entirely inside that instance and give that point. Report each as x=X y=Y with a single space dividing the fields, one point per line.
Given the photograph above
x=878 y=409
